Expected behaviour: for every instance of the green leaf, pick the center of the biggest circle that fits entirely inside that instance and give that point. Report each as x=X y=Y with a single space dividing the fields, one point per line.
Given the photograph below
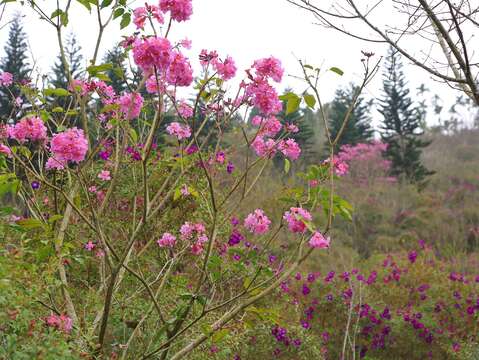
x=56 y=92
x=293 y=104
x=56 y=13
x=30 y=223
x=134 y=135
x=64 y=19
x=310 y=100
x=125 y=20
x=219 y=335
x=337 y=70
x=85 y=3
x=118 y=12
x=287 y=165
x=94 y=69
x=58 y=109
x=105 y=3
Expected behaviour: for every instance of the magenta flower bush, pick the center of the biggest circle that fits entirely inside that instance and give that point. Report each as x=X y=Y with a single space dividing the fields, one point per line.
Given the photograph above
x=132 y=200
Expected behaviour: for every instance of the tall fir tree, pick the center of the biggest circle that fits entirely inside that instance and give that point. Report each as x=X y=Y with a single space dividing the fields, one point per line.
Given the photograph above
x=358 y=127
x=15 y=61
x=117 y=57
x=74 y=59
x=401 y=126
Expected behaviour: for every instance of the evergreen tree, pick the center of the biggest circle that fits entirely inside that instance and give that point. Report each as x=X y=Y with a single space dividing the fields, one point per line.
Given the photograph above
x=358 y=128
x=117 y=74
x=401 y=127
x=74 y=59
x=15 y=61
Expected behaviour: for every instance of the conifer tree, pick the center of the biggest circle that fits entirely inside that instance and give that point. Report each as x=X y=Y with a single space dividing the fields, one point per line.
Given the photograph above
x=14 y=61
x=401 y=126
x=358 y=127
x=74 y=59
x=117 y=74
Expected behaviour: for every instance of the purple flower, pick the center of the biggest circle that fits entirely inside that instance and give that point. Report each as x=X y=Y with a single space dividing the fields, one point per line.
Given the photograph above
x=412 y=256
x=235 y=238
x=230 y=167
x=191 y=149
x=305 y=324
x=35 y=185
x=297 y=342
x=306 y=290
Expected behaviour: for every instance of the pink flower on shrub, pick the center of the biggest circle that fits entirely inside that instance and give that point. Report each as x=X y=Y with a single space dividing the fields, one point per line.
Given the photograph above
x=167 y=240
x=79 y=86
x=178 y=130
x=141 y=14
x=186 y=43
x=152 y=52
x=152 y=86
x=130 y=105
x=269 y=67
x=70 y=145
x=226 y=69
x=319 y=241
x=185 y=110
x=180 y=10
x=6 y=79
x=270 y=126
x=262 y=147
x=257 y=222
x=53 y=163
x=180 y=72
x=62 y=322
x=5 y=150
x=104 y=175
x=290 y=148
x=264 y=97
x=30 y=128
x=89 y=246
x=295 y=218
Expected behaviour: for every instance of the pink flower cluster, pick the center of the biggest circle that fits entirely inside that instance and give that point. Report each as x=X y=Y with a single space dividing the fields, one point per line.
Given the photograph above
x=188 y=232
x=257 y=222
x=152 y=52
x=70 y=145
x=180 y=72
x=61 y=322
x=226 y=68
x=141 y=14
x=130 y=105
x=166 y=240
x=30 y=128
x=6 y=79
x=180 y=10
x=178 y=130
x=296 y=217
x=290 y=148
x=269 y=67
x=5 y=150
x=185 y=110
x=319 y=241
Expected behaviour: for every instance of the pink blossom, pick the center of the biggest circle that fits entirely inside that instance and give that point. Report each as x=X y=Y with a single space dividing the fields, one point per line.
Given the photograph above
x=184 y=190
x=178 y=130
x=6 y=79
x=18 y=101
x=269 y=67
x=167 y=240
x=180 y=10
x=104 y=175
x=290 y=148
x=185 y=110
x=141 y=14
x=262 y=147
x=319 y=241
x=186 y=43
x=226 y=69
x=130 y=105
x=30 y=128
x=53 y=163
x=89 y=246
x=62 y=322
x=208 y=56
x=152 y=52
x=264 y=97
x=70 y=145
x=295 y=218
x=291 y=128
x=5 y=150
x=180 y=72
x=79 y=86
x=257 y=222
x=152 y=85
x=187 y=230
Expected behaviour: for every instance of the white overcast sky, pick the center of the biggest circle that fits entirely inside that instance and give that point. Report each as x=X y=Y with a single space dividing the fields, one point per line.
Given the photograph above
x=246 y=30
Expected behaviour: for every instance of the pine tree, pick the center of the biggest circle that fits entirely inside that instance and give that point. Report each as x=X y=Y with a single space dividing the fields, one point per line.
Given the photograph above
x=74 y=59
x=15 y=61
x=358 y=128
x=401 y=127
x=117 y=74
